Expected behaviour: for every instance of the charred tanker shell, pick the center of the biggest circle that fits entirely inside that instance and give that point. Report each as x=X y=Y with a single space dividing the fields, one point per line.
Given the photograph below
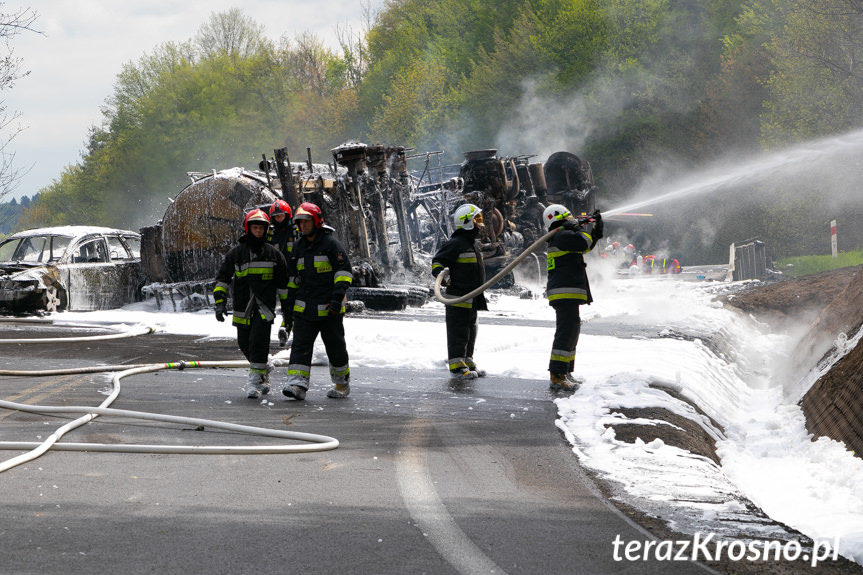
x=202 y=223
x=570 y=183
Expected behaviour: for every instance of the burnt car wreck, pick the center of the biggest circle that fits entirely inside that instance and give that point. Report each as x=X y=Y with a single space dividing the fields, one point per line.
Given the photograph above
x=70 y=268
x=390 y=218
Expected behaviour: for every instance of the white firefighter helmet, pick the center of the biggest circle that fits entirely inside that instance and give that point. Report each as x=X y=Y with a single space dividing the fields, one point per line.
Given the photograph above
x=466 y=215
x=554 y=213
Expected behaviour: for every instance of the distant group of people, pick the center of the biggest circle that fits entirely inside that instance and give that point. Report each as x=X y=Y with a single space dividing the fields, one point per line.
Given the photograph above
x=297 y=266
x=629 y=258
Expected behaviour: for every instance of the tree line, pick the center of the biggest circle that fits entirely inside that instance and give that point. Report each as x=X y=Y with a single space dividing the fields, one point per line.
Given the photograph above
x=644 y=90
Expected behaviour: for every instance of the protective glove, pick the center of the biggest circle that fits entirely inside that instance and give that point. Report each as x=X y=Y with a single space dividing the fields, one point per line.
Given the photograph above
x=598 y=226
x=221 y=311
x=571 y=225
x=335 y=307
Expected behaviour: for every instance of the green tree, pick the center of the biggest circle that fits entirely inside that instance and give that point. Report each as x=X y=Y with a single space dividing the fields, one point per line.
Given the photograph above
x=414 y=105
x=447 y=36
x=488 y=98
x=816 y=87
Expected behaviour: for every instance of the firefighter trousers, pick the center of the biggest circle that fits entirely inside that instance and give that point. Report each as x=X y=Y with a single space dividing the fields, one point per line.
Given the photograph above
x=461 y=331
x=566 y=332
x=332 y=332
x=254 y=341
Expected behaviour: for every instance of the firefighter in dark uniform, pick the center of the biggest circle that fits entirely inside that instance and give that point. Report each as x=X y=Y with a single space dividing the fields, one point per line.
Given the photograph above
x=256 y=273
x=282 y=234
x=282 y=230
x=461 y=254
x=319 y=276
x=567 y=288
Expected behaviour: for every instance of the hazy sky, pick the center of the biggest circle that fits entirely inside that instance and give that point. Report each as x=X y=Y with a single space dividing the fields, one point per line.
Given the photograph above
x=74 y=65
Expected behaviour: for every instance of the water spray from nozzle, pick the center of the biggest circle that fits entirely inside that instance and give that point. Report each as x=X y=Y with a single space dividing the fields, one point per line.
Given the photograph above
x=798 y=159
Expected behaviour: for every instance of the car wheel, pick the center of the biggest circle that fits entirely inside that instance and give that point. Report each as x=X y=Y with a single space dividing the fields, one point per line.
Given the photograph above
x=54 y=299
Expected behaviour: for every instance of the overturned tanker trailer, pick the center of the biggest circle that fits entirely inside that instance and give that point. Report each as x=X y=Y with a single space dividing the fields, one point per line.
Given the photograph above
x=390 y=219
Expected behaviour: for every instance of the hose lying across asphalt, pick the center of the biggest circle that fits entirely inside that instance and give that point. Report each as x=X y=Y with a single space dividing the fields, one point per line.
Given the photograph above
x=318 y=442
x=136 y=331
x=445 y=274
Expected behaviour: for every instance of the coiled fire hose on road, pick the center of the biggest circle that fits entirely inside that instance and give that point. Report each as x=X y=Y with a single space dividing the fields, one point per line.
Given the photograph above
x=318 y=442
x=509 y=267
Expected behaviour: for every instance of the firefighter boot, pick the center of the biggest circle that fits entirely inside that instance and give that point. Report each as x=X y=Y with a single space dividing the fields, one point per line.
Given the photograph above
x=459 y=370
x=575 y=381
x=472 y=366
x=341 y=377
x=256 y=385
x=298 y=382
x=294 y=392
x=462 y=373
x=339 y=391
x=559 y=382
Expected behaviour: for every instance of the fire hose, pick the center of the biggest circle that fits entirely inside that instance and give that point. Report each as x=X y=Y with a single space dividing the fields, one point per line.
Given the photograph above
x=509 y=267
x=321 y=442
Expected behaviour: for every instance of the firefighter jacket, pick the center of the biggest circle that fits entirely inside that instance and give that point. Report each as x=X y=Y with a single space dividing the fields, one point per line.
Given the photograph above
x=319 y=275
x=567 y=274
x=461 y=254
x=257 y=275
x=283 y=236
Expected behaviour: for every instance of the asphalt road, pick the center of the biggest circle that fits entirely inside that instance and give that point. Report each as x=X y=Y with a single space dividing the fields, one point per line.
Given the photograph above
x=427 y=478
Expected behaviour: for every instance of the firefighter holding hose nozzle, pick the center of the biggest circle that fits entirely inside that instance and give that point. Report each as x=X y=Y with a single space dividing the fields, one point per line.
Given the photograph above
x=568 y=288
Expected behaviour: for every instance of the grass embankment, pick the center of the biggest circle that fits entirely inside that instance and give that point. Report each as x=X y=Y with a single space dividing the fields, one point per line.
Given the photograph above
x=805 y=265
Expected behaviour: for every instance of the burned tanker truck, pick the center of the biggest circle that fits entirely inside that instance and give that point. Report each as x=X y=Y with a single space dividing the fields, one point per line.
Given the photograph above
x=391 y=219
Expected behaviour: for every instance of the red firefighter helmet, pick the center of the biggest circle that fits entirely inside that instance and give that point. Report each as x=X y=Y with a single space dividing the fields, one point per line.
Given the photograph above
x=256 y=216
x=309 y=211
x=280 y=207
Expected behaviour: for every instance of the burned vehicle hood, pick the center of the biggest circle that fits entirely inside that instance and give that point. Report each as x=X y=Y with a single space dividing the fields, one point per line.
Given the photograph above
x=25 y=272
